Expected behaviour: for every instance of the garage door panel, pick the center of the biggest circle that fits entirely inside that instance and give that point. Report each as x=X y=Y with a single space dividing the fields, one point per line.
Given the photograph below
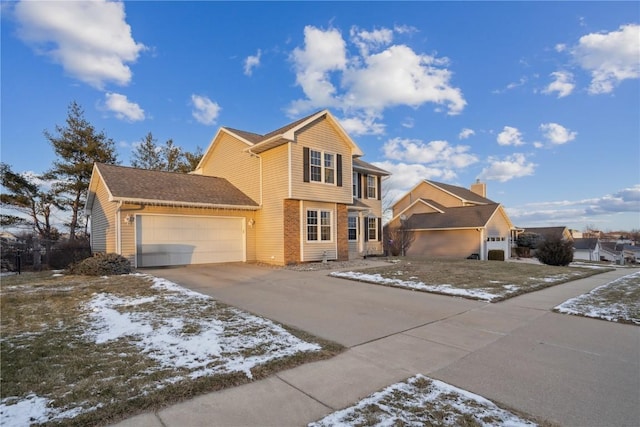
x=176 y=240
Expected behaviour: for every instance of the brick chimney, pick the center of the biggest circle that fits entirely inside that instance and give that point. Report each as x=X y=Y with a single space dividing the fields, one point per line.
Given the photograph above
x=480 y=188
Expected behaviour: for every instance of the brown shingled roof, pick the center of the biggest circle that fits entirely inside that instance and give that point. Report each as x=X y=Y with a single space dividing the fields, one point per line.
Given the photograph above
x=457 y=217
x=147 y=186
x=462 y=192
x=361 y=164
x=253 y=138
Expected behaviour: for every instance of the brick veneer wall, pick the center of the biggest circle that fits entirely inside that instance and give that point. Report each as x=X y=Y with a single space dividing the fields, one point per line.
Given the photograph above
x=343 y=233
x=291 y=218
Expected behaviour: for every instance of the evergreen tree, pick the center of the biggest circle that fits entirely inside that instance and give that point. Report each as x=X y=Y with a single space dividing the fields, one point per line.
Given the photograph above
x=190 y=160
x=169 y=157
x=148 y=155
x=78 y=146
x=172 y=156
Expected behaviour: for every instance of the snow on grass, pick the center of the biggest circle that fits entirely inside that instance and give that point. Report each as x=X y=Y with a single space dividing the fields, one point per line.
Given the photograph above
x=475 y=293
x=423 y=401
x=616 y=301
x=15 y=412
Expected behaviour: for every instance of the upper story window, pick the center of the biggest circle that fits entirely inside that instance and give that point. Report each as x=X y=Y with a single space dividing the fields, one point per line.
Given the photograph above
x=355 y=184
x=322 y=167
x=372 y=187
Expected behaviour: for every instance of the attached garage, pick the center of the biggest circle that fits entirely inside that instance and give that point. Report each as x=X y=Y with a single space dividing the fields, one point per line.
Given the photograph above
x=163 y=240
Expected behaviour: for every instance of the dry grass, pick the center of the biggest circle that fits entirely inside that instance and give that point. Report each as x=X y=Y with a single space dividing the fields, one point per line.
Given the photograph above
x=45 y=350
x=498 y=280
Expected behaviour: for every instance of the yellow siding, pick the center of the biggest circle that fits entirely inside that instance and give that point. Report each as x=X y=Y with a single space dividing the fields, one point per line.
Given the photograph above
x=103 y=221
x=313 y=251
x=269 y=220
x=498 y=225
x=426 y=191
x=128 y=231
x=228 y=160
x=320 y=136
x=445 y=244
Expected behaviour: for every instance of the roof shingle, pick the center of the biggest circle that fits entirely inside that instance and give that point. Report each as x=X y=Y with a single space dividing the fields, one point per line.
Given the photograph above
x=456 y=217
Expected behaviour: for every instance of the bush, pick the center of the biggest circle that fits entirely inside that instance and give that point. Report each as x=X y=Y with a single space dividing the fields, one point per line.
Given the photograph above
x=69 y=252
x=496 y=255
x=528 y=240
x=102 y=265
x=555 y=251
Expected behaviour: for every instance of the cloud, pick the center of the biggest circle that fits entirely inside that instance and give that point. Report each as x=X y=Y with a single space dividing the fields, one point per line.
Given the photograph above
x=123 y=108
x=563 y=84
x=364 y=125
x=503 y=170
x=251 y=62
x=436 y=153
x=557 y=134
x=205 y=111
x=358 y=81
x=466 y=133
x=90 y=39
x=510 y=136
x=610 y=57
x=408 y=123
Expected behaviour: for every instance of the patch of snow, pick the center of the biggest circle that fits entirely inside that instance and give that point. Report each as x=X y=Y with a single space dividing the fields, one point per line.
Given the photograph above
x=440 y=395
x=7 y=273
x=19 y=412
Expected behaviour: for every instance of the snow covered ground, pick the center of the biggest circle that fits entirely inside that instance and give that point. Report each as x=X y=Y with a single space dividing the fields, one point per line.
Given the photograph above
x=422 y=401
x=617 y=301
x=194 y=340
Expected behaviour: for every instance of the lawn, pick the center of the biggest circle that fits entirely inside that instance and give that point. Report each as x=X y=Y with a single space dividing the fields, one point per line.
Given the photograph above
x=421 y=401
x=490 y=281
x=617 y=301
x=81 y=350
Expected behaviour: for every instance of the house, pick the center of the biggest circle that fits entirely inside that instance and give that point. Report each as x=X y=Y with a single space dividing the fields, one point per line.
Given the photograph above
x=550 y=232
x=300 y=193
x=452 y=221
x=587 y=249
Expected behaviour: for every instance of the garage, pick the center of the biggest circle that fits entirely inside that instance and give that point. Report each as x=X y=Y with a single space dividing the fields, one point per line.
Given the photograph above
x=164 y=240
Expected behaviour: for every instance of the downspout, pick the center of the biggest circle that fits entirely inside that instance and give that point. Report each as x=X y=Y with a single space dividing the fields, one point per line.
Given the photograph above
x=118 y=228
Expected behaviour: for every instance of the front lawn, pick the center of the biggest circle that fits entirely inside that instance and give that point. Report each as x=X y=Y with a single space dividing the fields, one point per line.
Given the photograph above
x=422 y=401
x=490 y=281
x=617 y=301
x=81 y=350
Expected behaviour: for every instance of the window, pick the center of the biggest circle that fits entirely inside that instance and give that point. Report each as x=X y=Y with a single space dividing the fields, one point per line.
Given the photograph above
x=318 y=226
x=372 y=228
x=352 y=227
x=329 y=168
x=355 y=184
x=371 y=186
x=316 y=166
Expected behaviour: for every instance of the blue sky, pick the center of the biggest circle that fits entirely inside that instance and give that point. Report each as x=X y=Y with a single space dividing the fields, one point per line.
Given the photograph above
x=540 y=100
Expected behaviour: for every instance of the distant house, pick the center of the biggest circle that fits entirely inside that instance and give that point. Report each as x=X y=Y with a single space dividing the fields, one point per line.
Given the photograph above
x=550 y=232
x=452 y=221
x=586 y=249
x=299 y=193
x=617 y=252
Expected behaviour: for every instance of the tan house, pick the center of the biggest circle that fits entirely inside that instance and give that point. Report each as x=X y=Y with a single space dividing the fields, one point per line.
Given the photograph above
x=452 y=221
x=300 y=193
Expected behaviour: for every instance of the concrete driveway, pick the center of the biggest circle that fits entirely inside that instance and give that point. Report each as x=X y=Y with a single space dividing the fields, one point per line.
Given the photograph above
x=570 y=370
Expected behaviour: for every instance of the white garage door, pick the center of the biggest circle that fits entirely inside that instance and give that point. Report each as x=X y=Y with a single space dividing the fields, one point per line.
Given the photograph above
x=180 y=240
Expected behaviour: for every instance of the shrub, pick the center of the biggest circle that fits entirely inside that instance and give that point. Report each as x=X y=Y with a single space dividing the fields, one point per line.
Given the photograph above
x=397 y=240
x=69 y=252
x=102 y=265
x=555 y=251
x=528 y=240
x=496 y=255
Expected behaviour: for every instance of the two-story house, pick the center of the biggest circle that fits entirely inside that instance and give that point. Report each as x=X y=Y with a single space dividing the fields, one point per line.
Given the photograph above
x=300 y=193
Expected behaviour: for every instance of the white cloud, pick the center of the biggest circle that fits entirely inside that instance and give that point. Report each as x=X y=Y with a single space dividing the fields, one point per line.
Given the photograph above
x=364 y=125
x=562 y=84
x=560 y=47
x=90 y=39
x=251 y=62
x=123 y=108
x=557 y=134
x=502 y=170
x=436 y=153
x=610 y=57
x=378 y=76
x=466 y=133
x=510 y=136
x=408 y=122
x=205 y=111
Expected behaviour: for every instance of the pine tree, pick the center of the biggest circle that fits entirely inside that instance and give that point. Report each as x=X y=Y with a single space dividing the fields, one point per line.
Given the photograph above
x=78 y=146
x=148 y=155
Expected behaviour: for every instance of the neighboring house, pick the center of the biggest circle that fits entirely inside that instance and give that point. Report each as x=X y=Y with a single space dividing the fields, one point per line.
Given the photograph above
x=619 y=252
x=550 y=232
x=587 y=249
x=297 y=194
x=452 y=221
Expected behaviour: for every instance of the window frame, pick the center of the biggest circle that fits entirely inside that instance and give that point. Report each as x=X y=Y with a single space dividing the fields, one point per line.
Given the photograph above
x=354 y=228
x=374 y=179
x=323 y=226
x=327 y=174
x=374 y=221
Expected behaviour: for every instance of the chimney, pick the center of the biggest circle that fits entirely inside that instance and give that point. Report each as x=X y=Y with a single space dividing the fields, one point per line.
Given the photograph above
x=480 y=188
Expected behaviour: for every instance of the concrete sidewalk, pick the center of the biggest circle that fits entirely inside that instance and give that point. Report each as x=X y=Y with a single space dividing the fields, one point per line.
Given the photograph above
x=571 y=370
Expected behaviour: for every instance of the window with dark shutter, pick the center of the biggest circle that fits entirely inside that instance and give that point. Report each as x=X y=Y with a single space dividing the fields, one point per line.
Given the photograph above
x=305 y=173
x=364 y=193
x=339 y=170
x=379 y=187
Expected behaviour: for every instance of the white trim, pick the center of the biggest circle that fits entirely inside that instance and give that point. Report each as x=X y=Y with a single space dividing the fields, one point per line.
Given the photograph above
x=412 y=204
x=183 y=204
x=303 y=228
x=319 y=225
x=290 y=170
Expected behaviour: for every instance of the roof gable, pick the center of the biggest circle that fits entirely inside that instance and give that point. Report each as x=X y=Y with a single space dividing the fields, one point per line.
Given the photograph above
x=461 y=193
x=158 y=187
x=456 y=217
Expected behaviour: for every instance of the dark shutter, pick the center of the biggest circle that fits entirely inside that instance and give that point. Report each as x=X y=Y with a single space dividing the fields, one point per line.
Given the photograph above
x=339 y=170
x=305 y=172
x=380 y=229
x=379 y=187
x=365 y=181
x=366 y=228
x=359 y=184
